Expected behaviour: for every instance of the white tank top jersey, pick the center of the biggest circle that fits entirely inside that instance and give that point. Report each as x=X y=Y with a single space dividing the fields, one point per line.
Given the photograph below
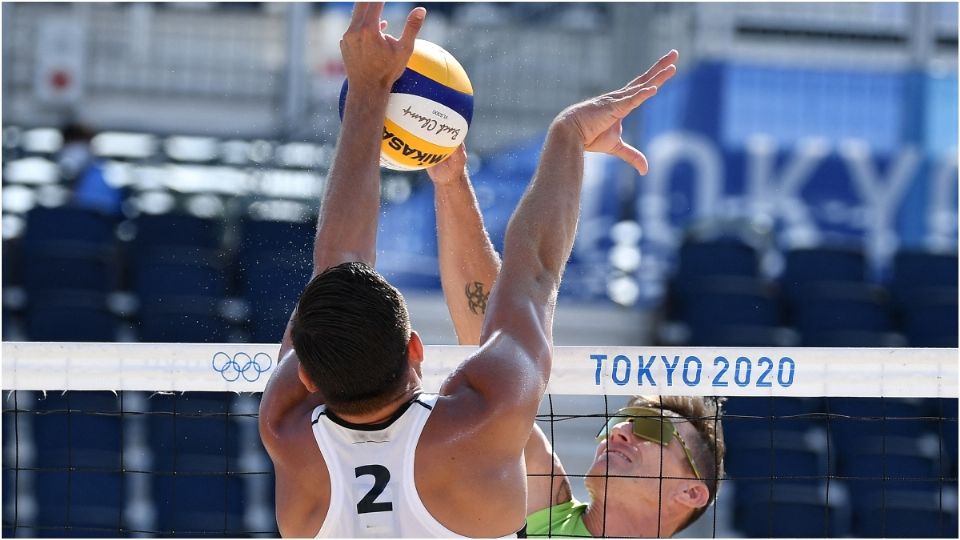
x=371 y=475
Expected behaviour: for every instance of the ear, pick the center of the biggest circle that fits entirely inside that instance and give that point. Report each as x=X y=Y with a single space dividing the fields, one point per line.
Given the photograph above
x=415 y=353
x=693 y=495
x=304 y=378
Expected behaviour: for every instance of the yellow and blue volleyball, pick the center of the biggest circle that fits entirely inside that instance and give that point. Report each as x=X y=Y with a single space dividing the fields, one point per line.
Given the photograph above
x=429 y=110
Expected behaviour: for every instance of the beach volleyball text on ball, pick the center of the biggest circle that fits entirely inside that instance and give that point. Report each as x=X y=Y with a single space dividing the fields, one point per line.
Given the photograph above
x=429 y=110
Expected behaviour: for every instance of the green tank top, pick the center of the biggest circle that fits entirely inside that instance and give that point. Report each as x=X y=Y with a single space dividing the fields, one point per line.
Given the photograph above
x=565 y=519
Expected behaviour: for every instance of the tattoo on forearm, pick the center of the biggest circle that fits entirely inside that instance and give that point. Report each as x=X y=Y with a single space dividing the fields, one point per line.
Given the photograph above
x=476 y=298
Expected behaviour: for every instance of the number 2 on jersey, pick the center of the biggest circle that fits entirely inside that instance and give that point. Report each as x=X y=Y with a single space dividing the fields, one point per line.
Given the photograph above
x=381 y=475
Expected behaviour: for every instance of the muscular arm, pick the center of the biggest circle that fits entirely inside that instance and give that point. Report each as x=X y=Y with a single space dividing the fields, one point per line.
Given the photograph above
x=510 y=371
x=468 y=262
x=349 y=211
x=547 y=482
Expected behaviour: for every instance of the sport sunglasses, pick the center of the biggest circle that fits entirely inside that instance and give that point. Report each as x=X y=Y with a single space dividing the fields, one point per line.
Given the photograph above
x=650 y=425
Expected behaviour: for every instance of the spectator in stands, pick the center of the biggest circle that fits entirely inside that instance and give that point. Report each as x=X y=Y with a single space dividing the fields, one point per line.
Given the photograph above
x=657 y=465
x=85 y=173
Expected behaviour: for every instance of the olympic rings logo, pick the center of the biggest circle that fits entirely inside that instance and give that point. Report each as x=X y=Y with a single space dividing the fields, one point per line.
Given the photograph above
x=241 y=365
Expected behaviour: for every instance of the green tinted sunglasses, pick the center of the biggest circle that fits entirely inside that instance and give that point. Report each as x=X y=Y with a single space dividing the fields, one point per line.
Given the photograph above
x=650 y=425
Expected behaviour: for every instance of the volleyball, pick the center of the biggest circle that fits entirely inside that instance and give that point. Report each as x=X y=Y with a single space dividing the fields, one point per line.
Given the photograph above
x=429 y=110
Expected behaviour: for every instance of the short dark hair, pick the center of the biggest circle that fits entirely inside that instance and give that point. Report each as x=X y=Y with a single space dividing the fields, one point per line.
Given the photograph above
x=350 y=331
x=708 y=449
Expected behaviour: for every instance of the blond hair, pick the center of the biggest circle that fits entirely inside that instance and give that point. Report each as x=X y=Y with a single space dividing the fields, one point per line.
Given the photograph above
x=708 y=449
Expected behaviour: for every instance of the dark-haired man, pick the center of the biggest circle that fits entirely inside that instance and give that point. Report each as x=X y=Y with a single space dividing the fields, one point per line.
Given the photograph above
x=657 y=461
x=358 y=449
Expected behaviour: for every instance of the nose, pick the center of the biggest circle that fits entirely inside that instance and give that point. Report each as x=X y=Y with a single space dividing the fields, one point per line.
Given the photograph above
x=622 y=432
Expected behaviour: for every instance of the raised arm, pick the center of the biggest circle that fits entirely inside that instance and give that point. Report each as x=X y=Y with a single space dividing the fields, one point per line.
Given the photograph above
x=468 y=262
x=512 y=367
x=347 y=225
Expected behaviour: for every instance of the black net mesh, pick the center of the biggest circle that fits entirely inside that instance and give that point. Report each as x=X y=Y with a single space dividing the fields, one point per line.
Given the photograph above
x=104 y=464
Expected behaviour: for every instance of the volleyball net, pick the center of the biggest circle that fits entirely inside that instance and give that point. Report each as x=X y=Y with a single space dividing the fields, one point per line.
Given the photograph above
x=139 y=439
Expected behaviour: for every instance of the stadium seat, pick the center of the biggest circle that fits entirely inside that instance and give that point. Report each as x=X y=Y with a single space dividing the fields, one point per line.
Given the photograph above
x=170 y=230
x=198 y=444
x=70 y=315
x=77 y=437
x=12 y=263
x=720 y=314
x=162 y=272
x=70 y=265
x=917 y=270
x=14 y=459
x=750 y=415
x=904 y=514
x=274 y=258
x=946 y=409
x=278 y=279
x=791 y=511
x=268 y=320
x=66 y=223
x=850 y=420
x=842 y=314
x=930 y=318
x=804 y=267
x=720 y=257
x=407 y=243
x=187 y=319
x=780 y=456
x=69 y=248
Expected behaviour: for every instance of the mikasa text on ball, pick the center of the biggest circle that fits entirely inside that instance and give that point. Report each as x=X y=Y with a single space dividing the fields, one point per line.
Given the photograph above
x=429 y=110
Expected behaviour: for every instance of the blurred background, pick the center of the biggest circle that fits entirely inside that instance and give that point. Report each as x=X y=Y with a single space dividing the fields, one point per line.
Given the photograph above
x=163 y=162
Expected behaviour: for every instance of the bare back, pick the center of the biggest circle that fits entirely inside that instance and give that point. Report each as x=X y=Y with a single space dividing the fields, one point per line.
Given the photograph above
x=467 y=478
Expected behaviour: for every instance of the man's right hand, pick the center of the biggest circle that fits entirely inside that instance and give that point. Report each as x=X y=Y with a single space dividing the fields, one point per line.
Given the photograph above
x=450 y=170
x=372 y=59
x=598 y=121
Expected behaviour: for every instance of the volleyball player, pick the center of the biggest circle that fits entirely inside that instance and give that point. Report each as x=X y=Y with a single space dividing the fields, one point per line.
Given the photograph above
x=630 y=494
x=357 y=448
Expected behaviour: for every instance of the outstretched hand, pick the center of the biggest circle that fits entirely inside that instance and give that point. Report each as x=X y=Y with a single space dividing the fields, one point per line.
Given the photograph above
x=372 y=58
x=599 y=120
x=451 y=169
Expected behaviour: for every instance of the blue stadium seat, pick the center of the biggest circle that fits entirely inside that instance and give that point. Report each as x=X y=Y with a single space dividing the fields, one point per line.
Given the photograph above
x=842 y=314
x=790 y=511
x=917 y=270
x=268 y=320
x=69 y=248
x=177 y=271
x=720 y=257
x=751 y=415
x=70 y=315
x=12 y=263
x=274 y=259
x=407 y=243
x=854 y=420
x=779 y=456
x=66 y=223
x=730 y=311
x=258 y=237
x=13 y=460
x=70 y=265
x=924 y=291
x=197 y=443
x=930 y=318
x=169 y=230
x=946 y=409
x=876 y=464
x=904 y=514
x=804 y=267
x=187 y=319
x=78 y=431
x=279 y=280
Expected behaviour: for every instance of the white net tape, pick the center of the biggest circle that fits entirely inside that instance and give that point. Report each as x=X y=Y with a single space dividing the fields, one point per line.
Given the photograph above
x=600 y=370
